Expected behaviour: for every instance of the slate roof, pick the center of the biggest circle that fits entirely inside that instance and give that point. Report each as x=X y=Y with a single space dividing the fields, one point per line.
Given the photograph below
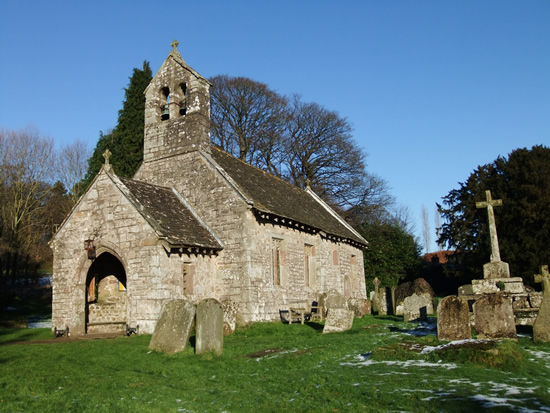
x=272 y=195
x=169 y=215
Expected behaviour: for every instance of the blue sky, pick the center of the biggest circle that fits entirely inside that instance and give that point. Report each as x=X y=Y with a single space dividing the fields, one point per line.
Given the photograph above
x=432 y=88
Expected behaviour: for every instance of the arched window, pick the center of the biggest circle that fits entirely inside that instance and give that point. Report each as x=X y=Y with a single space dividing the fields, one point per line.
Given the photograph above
x=183 y=103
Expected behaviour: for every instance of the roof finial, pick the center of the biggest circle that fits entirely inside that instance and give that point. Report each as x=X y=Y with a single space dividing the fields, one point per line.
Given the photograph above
x=107 y=154
x=174 y=45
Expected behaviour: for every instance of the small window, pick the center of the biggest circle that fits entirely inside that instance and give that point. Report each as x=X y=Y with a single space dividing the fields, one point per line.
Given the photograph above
x=308 y=264
x=277 y=260
x=188 y=278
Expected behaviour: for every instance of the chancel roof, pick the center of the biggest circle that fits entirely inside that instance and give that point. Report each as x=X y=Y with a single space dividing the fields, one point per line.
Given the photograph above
x=169 y=215
x=270 y=195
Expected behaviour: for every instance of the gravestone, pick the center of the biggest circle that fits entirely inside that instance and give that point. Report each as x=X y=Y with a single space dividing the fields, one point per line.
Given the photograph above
x=418 y=286
x=417 y=306
x=359 y=306
x=209 y=329
x=453 y=319
x=230 y=309
x=338 y=320
x=335 y=300
x=541 y=328
x=494 y=317
x=174 y=326
x=376 y=296
x=385 y=302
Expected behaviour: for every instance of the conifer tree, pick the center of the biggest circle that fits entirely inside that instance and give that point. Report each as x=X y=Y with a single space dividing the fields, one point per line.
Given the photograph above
x=522 y=181
x=126 y=140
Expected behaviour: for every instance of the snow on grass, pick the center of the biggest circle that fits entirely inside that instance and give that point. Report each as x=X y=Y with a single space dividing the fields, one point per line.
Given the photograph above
x=363 y=360
x=543 y=356
x=455 y=344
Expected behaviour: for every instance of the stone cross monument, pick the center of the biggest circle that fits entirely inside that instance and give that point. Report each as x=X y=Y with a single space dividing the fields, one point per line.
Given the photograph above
x=544 y=278
x=541 y=328
x=496 y=268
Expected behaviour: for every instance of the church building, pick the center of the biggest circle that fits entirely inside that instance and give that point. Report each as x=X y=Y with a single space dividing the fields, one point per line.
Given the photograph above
x=195 y=223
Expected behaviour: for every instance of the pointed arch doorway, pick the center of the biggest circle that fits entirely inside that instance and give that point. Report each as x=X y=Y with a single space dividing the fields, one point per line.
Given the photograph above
x=106 y=300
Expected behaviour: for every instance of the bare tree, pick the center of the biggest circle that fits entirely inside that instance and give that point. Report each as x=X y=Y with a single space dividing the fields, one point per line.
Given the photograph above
x=320 y=151
x=26 y=170
x=247 y=120
x=72 y=166
x=426 y=230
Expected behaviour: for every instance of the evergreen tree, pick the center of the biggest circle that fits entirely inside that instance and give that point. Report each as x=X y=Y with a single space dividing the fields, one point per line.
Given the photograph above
x=392 y=255
x=126 y=140
x=522 y=181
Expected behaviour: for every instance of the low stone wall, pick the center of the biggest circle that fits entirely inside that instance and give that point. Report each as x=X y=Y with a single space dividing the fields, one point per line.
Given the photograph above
x=107 y=317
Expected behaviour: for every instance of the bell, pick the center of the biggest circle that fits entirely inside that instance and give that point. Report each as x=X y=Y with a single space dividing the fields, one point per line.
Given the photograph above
x=165 y=113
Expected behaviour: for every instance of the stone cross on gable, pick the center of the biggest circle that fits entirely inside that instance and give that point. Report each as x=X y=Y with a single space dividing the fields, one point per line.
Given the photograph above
x=107 y=154
x=489 y=204
x=544 y=278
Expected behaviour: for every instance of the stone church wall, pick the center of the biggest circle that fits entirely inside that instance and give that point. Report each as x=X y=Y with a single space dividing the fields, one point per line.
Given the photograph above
x=152 y=276
x=329 y=264
x=220 y=208
x=244 y=268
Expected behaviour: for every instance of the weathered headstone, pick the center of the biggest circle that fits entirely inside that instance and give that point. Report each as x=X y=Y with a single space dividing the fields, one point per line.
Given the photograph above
x=541 y=328
x=418 y=286
x=417 y=306
x=375 y=295
x=209 y=329
x=385 y=302
x=335 y=300
x=338 y=320
x=230 y=309
x=453 y=319
x=496 y=268
x=174 y=326
x=494 y=317
x=359 y=306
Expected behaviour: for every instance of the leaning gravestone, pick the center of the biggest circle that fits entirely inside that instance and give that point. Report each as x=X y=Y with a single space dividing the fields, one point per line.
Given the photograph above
x=230 y=309
x=209 y=329
x=338 y=320
x=359 y=306
x=174 y=326
x=494 y=317
x=417 y=306
x=418 y=286
x=335 y=300
x=453 y=319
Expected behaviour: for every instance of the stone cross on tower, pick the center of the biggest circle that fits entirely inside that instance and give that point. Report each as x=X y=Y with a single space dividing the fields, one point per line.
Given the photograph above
x=489 y=204
x=174 y=45
x=496 y=268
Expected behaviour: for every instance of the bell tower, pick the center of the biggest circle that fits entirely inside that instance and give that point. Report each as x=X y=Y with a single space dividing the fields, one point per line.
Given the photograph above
x=177 y=110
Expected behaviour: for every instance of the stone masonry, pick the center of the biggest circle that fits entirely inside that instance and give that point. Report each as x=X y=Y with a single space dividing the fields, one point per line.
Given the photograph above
x=192 y=224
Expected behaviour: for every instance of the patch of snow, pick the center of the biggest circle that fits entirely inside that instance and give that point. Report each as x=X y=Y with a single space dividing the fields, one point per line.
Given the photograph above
x=403 y=364
x=456 y=343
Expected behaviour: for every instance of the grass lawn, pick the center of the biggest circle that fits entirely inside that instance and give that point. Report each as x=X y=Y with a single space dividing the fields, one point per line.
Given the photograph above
x=382 y=364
